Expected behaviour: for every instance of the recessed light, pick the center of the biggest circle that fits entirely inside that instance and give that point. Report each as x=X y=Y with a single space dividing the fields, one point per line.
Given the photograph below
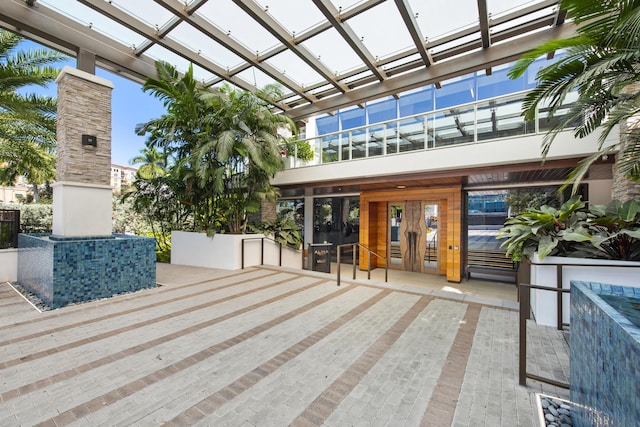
x=400 y=187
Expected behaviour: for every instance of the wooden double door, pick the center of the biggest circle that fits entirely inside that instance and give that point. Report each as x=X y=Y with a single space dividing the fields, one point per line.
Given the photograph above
x=414 y=229
x=413 y=236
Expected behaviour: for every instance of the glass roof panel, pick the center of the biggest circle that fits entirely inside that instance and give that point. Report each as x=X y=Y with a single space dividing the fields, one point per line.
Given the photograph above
x=334 y=51
x=382 y=30
x=532 y=16
x=437 y=21
x=296 y=16
x=497 y=7
x=457 y=42
x=257 y=78
x=94 y=20
x=295 y=68
x=160 y=53
x=188 y=36
x=145 y=10
x=230 y=18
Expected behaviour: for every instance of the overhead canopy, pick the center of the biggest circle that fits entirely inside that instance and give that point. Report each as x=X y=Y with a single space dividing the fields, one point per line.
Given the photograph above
x=327 y=54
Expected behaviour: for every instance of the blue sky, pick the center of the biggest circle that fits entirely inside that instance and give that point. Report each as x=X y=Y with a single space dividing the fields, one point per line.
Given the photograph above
x=129 y=106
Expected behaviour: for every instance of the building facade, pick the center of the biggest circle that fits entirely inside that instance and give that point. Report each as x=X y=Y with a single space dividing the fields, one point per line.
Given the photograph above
x=428 y=176
x=122 y=177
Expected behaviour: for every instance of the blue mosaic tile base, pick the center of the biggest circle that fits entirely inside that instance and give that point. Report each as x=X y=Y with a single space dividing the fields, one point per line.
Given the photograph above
x=605 y=358
x=63 y=272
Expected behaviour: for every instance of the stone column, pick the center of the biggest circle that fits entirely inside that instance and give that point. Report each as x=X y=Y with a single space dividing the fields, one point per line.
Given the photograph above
x=82 y=192
x=623 y=188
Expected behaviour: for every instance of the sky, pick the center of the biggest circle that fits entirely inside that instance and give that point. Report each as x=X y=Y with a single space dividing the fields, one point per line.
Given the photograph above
x=129 y=106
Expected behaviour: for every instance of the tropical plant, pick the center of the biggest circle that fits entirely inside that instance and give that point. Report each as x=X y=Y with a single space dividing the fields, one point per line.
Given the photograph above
x=153 y=163
x=602 y=63
x=225 y=144
x=603 y=231
x=283 y=231
x=27 y=121
x=155 y=201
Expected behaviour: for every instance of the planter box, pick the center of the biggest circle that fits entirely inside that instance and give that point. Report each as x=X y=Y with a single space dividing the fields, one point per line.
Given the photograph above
x=544 y=273
x=224 y=251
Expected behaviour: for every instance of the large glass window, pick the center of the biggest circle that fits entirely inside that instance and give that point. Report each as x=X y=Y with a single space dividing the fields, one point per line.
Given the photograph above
x=420 y=101
x=327 y=124
x=456 y=92
x=498 y=83
x=336 y=220
x=382 y=111
x=352 y=118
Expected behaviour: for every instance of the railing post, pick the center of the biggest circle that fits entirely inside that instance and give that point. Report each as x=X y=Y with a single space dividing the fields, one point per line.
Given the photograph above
x=242 y=254
x=353 y=257
x=338 y=266
x=279 y=254
x=523 y=315
x=262 y=251
x=559 y=295
x=368 y=265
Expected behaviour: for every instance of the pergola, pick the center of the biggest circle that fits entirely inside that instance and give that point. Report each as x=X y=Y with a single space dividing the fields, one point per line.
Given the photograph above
x=326 y=56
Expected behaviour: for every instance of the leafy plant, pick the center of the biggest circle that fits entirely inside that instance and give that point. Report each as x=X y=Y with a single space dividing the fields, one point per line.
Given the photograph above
x=225 y=146
x=283 y=231
x=602 y=64
x=604 y=231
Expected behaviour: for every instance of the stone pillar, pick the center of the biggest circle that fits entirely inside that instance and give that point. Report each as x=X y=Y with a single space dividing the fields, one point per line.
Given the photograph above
x=82 y=192
x=624 y=189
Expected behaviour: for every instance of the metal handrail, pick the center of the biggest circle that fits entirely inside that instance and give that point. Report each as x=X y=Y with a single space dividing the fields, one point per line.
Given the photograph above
x=525 y=307
x=369 y=252
x=262 y=249
x=559 y=272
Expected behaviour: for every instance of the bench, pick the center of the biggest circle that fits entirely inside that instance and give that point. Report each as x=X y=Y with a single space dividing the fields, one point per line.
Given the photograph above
x=493 y=262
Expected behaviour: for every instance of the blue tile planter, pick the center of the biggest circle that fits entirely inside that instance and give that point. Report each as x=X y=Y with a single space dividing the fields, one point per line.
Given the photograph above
x=66 y=271
x=605 y=357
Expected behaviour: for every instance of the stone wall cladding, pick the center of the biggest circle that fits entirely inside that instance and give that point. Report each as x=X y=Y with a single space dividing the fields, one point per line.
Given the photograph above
x=84 y=107
x=622 y=188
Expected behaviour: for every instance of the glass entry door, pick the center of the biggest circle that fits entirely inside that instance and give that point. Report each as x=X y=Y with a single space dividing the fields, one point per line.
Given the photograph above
x=413 y=236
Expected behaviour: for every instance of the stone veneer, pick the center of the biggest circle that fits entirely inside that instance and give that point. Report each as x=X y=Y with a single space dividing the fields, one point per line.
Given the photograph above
x=604 y=359
x=623 y=188
x=84 y=107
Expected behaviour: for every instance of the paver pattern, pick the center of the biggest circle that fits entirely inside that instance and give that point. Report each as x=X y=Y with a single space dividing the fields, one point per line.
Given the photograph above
x=262 y=347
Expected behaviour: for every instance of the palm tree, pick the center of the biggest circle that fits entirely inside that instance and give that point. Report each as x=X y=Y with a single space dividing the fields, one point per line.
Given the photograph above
x=225 y=144
x=154 y=163
x=27 y=121
x=602 y=63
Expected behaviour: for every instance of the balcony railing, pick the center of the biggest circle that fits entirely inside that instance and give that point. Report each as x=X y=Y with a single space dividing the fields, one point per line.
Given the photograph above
x=481 y=121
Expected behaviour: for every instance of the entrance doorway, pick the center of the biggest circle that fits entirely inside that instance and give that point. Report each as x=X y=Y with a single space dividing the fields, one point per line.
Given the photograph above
x=413 y=236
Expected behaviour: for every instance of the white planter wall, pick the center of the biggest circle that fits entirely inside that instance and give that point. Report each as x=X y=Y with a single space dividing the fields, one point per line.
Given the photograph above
x=224 y=251
x=543 y=273
x=8 y=265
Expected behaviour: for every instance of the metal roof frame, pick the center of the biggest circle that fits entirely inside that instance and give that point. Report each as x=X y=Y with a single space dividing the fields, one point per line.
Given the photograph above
x=488 y=43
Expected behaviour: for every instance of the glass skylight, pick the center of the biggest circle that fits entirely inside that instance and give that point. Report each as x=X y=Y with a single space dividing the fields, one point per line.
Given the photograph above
x=356 y=48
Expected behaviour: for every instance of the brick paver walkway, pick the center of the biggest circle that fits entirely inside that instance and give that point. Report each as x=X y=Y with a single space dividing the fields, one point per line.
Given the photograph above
x=261 y=347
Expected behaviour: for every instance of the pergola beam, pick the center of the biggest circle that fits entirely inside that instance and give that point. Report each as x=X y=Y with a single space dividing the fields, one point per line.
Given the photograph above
x=288 y=40
x=232 y=45
x=333 y=16
x=414 y=30
x=440 y=71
